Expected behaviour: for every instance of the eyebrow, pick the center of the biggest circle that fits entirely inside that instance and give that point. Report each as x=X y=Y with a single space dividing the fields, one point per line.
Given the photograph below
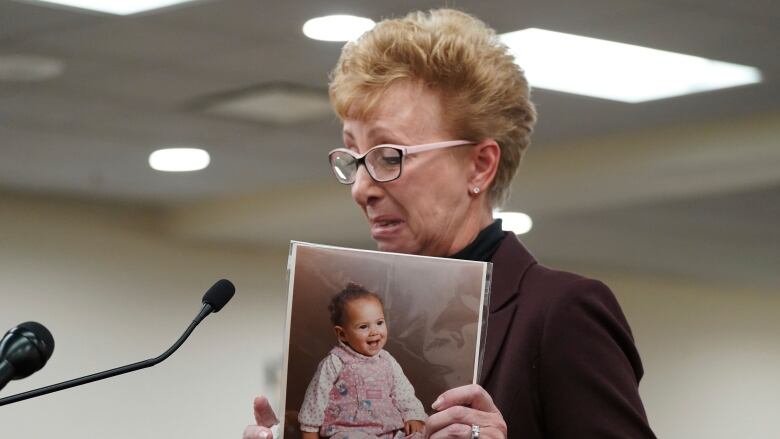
x=369 y=321
x=378 y=132
x=386 y=133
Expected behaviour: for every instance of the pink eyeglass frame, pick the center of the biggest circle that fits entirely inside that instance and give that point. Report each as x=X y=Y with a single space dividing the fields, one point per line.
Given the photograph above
x=405 y=150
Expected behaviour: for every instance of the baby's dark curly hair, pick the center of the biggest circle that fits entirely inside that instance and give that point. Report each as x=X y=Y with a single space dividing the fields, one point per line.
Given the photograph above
x=351 y=292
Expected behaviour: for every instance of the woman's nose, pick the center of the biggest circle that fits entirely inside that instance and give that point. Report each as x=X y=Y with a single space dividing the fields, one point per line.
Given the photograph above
x=364 y=190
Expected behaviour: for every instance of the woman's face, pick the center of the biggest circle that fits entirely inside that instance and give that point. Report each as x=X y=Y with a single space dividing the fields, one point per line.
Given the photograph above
x=428 y=210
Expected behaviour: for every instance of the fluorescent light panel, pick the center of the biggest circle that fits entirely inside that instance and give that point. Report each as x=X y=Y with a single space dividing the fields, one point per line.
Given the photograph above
x=618 y=71
x=118 y=7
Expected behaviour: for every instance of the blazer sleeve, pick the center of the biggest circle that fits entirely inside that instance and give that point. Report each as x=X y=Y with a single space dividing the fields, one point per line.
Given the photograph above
x=589 y=368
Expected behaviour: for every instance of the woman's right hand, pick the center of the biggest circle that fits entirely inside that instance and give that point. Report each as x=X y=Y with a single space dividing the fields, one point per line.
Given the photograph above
x=265 y=419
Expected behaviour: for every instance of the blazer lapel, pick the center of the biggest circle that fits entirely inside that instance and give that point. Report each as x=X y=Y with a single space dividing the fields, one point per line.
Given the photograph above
x=498 y=322
x=510 y=263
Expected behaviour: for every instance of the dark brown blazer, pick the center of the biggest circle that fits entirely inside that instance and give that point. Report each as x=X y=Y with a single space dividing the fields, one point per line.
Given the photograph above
x=560 y=360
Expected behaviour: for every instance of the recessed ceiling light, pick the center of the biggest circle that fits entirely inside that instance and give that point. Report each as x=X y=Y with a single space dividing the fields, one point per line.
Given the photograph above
x=29 y=68
x=118 y=7
x=337 y=27
x=618 y=71
x=516 y=222
x=179 y=159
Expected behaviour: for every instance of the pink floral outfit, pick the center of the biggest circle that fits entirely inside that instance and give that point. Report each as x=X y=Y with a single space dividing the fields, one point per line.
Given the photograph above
x=353 y=396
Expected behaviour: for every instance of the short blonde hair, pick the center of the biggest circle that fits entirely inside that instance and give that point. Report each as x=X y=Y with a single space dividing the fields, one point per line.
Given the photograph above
x=484 y=93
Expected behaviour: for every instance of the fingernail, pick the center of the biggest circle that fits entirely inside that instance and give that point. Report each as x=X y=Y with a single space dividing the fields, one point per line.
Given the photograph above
x=263 y=435
x=437 y=403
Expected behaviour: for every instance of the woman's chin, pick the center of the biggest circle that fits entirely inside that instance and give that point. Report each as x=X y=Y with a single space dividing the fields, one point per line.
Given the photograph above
x=395 y=246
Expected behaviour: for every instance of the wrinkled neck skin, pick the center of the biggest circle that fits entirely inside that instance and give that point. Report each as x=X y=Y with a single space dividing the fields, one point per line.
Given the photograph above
x=467 y=233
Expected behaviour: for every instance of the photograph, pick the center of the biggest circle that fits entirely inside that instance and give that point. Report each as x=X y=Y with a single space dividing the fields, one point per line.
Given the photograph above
x=373 y=338
x=475 y=219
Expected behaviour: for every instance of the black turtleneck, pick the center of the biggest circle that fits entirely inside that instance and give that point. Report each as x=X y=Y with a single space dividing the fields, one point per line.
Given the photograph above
x=484 y=245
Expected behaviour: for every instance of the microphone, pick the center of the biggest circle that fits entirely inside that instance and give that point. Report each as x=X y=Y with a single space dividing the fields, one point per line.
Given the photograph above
x=213 y=301
x=24 y=350
x=215 y=298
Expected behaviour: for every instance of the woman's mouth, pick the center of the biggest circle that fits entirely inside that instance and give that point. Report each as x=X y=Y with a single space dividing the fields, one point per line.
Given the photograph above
x=384 y=229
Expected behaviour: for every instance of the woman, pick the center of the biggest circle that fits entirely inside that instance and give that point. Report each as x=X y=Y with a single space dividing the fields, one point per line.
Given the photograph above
x=436 y=117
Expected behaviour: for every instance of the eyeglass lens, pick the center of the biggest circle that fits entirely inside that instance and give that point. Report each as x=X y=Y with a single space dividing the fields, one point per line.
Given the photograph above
x=383 y=164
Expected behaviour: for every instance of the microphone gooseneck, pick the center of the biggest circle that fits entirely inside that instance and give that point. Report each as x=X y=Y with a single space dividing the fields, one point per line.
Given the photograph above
x=24 y=350
x=218 y=295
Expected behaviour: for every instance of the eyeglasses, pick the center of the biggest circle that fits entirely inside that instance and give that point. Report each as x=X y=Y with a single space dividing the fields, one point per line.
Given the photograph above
x=383 y=162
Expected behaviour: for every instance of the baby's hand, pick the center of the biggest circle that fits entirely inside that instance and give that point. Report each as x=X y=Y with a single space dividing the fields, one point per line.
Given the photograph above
x=413 y=427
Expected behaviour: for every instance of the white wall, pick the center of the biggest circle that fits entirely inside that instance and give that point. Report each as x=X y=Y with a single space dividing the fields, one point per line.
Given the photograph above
x=711 y=354
x=114 y=291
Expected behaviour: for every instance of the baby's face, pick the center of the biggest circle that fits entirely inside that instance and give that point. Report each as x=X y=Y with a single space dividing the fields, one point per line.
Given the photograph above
x=364 y=329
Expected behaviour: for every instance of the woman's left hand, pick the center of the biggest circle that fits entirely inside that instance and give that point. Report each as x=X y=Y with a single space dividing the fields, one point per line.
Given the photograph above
x=461 y=408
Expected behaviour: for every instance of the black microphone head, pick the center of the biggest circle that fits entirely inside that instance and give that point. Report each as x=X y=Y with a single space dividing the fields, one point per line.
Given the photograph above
x=41 y=336
x=27 y=347
x=219 y=294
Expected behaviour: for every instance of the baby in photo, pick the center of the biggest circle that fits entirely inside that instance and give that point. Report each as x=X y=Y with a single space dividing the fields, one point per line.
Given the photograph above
x=359 y=390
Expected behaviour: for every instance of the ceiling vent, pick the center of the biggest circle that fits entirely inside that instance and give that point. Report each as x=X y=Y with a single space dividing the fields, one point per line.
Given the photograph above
x=278 y=104
x=29 y=68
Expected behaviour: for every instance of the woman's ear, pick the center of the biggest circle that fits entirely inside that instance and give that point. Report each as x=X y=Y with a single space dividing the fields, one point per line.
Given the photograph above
x=485 y=157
